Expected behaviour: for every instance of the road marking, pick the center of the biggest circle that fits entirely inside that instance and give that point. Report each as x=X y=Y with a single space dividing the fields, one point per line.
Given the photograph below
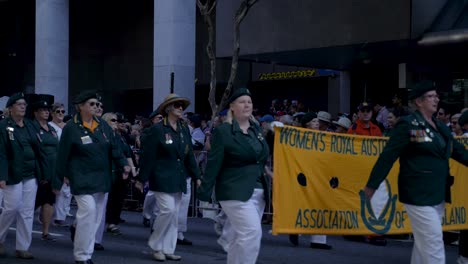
x=39 y=232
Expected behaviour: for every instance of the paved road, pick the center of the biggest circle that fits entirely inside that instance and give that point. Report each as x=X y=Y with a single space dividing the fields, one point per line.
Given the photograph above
x=131 y=248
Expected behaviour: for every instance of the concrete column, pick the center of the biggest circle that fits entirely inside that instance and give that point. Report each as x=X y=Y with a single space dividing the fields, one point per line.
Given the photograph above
x=174 y=49
x=52 y=42
x=339 y=93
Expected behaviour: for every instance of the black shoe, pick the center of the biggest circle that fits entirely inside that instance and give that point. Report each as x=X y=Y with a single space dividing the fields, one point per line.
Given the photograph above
x=81 y=262
x=320 y=246
x=294 y=239
x=378 y=241
x=146 y=222
x=122 y=221
x=72 y=233
x=98 y=246
x=184 y=241
x=90 y=261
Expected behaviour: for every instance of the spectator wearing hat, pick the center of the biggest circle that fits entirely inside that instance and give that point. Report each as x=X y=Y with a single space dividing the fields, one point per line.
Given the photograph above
x=155 y=117
x=310 y=120
x=342 y=125
x=166 y=159
x=48 y=143
x=324 y=120
x=21 y=164
x=424 y=146
x=463 y=122
x=87 y=149
x=364 y=125
x=236 y=165
x=287 y=120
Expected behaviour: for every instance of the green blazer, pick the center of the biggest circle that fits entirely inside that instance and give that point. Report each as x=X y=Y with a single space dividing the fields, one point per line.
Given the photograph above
x=233 y=166
x=424 y=178
x=11 y=152
x=167 y=158
x=48 y=146
x=85 y=158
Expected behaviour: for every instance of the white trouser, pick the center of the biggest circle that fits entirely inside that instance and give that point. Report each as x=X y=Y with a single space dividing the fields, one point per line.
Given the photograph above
x=102 y=225
x=150 y=208
x=183 y=210
x=319 y=239
x=62 y=203
x=19 y=201
x=1 y=199
x=88 y=217
x=164 y=236
x=245 y=220
x=227 y=234
x=426 y=222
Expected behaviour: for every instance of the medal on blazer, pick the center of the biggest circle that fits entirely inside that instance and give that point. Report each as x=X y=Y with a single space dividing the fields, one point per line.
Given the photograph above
x=260 y=136
x=168 y=139
x=10 y=133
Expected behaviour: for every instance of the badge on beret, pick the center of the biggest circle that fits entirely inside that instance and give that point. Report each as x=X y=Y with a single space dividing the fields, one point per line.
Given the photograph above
x=414 y=122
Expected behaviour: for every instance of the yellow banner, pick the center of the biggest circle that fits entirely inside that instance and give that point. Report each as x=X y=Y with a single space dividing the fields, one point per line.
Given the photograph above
x=318 y=178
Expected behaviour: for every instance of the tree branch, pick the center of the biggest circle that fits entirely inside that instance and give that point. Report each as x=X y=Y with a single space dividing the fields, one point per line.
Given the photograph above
x=240 y=15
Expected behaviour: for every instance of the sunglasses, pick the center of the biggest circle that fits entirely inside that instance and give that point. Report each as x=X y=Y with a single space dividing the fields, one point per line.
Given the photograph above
x=178 y=105
x=365 y=110
x=440 y=113
x=60 y=111
x=113 y=120
x=97 y=104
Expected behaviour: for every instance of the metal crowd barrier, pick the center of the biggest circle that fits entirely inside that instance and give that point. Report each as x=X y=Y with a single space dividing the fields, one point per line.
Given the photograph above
x=209 y=210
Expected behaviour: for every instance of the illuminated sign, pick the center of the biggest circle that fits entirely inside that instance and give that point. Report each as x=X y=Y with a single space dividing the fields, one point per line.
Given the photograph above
x=287 y=75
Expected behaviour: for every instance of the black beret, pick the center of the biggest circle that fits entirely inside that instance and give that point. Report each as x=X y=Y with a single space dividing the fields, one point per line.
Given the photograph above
x=85 y=96
x=238 y=93
x=420 y=88
x=153 y=114
x=308 y=117
x=15 y=97
x=40 y=104
x=463 y=119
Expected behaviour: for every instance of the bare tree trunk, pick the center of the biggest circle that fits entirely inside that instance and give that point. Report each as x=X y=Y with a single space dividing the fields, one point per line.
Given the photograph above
x=240 y=15
x=206 y=11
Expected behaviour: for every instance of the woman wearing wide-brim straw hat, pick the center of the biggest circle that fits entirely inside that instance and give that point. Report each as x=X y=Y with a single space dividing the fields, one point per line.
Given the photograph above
x=166 y=159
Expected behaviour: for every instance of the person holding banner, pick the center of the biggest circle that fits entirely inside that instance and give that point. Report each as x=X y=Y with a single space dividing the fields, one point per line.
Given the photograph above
x=424 y=146
x=236 y=165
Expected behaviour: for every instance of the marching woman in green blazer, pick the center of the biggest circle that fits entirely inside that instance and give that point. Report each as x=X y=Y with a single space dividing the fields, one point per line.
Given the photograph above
x=86 y=151
x=424 y=146
x=21 y=164
x=166 y=159
x=236 y=167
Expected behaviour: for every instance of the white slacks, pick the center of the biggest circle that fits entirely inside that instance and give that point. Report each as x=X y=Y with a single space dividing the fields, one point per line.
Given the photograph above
x=102 y=225
x=183 y=210
x=164 y=236
x=245 y=220
x=150 y=208
x=88 y=217
x=62 y=203
x=426 y=222
x=19 y=201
